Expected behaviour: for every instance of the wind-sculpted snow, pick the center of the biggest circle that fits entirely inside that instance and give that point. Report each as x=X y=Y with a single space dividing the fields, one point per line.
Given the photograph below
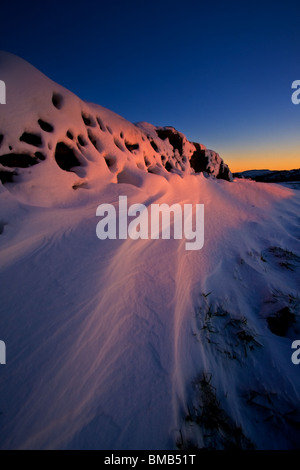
x=122 y=344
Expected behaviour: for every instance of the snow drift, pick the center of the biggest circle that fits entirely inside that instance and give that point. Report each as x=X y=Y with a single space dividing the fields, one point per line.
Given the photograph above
x=138 y=344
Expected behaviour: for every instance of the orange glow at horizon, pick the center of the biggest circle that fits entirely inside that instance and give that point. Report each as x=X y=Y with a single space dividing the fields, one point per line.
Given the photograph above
x=283 y=158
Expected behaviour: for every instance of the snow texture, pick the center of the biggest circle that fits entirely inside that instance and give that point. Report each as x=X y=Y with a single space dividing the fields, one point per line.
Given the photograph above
x=138 y=344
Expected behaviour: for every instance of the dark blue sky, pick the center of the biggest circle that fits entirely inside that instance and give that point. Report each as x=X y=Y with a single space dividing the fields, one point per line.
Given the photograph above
x=220 y=72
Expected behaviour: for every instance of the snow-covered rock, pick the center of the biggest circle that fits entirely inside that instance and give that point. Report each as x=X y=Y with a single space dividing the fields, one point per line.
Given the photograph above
x=45 y=125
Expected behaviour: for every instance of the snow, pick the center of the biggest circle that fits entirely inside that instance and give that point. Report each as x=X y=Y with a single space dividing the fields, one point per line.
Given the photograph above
x=107 y=340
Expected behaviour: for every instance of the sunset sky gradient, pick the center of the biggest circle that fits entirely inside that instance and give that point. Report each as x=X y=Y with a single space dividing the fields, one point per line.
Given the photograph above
x=219 y=72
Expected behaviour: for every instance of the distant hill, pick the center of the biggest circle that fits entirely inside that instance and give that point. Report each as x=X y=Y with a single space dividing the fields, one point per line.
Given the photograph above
x=267 y=176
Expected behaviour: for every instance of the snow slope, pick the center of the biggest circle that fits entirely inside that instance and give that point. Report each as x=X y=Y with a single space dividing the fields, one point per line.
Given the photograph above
x=138 y=344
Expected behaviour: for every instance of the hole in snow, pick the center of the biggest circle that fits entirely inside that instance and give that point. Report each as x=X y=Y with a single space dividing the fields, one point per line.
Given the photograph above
x=19 y=160
x=94 y=140
x=109 y=129
x=45 y=126
x=31 y=139
x=147 y=163
x=65 y=157
x=81 y=141
x=6 y=176
x=70 y=135
x=111 y=162
x=57 y=100
x=154 y=146
x=281 y=322
x=40 y=155
x=101 y=125
x=10 y=147
x=1 y=139
x=80 y=185
x=88 y=120
x=131 y=147
x=168 y=166
x=121 y=135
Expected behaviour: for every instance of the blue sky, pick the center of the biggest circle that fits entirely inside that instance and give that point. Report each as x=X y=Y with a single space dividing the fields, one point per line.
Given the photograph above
x=220 y=72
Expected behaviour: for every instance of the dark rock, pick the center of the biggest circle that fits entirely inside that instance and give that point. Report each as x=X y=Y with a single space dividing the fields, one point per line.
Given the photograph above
x=65 y=157
x=18 y=160
x=131 y=147
x=199 y=161
x=168 y=166
x=45 y=126
x=31 y=139
x=40 y=155
x=175 y=139
x=154 y=146
x=224 y=172
x=6 y=176
x=280 y=323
